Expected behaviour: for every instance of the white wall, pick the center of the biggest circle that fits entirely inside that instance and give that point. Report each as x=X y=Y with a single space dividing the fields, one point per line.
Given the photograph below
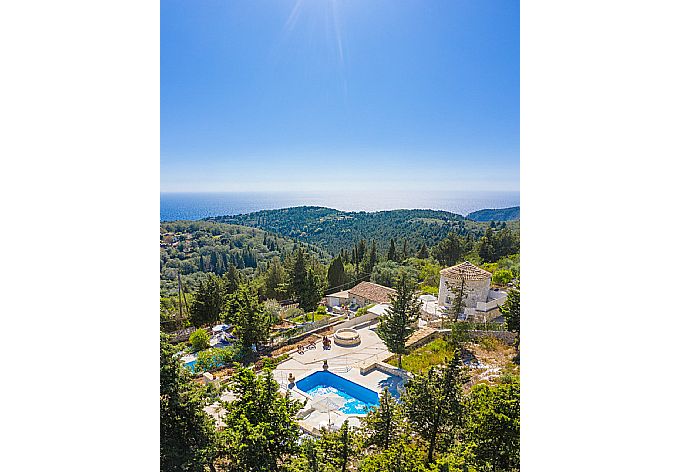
x=356 y=321
x=335 y=301
x=477 y=291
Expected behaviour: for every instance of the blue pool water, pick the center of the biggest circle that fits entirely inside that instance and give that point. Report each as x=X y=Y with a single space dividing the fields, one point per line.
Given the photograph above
x=358 y=399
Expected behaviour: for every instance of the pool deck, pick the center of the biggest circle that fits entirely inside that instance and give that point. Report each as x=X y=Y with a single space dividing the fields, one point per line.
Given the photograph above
x=345 y=361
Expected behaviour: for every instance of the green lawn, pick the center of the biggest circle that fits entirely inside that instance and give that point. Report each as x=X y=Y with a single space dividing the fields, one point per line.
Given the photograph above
x=420 y=359
x=308 y=317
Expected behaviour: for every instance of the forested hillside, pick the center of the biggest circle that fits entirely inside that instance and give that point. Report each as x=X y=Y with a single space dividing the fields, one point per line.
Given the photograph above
x=198 y=247
x=336 y=230
x=500 y=214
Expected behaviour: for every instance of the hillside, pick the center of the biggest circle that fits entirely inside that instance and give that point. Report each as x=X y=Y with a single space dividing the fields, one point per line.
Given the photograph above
x=500 y=214
x=197 y=247
x=334 y=230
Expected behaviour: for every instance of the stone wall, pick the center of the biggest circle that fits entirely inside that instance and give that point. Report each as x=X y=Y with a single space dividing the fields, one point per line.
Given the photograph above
x=507 y=337
x=477 y=291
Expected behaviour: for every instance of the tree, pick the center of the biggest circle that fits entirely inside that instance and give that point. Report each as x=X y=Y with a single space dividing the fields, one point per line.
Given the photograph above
x=386 y=273
x=345 y=446
x=485 y=246
x=336 y=273
x=298 y=276
x=261 y=430
x=231 y=279
x=404 y=250
x=392 y=256
x=459 y=335
x=371 y=260
x=313 y=292
x=396 y=324
x=252 y=322
x=311 y=455
x=433 y=403
x=511 y=309
x=505 y=243
x=187 y=435
x=449 y=250
x=337 y=446
x=361 y=250
x=275 y=277
x=402 y=456
x=383 y=425
x=458 y=303
x=423 y=252
x=208 y=301
x=502 y=277
x=215 y=267
x=200 y=339
x=492 y=425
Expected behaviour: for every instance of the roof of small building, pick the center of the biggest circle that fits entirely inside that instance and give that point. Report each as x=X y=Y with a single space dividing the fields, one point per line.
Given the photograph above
x=466 y=270
x=378 y=309
x=372 y=291
x=341 y=294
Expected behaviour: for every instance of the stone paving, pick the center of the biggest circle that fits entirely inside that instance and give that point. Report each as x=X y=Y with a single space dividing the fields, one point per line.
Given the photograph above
x=343 y=361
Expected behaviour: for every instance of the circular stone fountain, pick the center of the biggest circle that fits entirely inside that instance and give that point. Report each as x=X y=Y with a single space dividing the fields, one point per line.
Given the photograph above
x=346 y=337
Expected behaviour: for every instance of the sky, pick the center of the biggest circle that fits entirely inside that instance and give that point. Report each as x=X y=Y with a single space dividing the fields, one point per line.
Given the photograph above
x=295 y=95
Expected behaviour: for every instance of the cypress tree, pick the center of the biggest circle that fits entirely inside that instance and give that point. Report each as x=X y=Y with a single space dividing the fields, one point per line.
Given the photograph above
x=312 y=292
x=231 y=280
x=371 y=261
x=423 y=252
x=214 y=262
x=361 y=250
x=391 y=252
x=396 y=325
x=336 y=273
x=434 y=403
x=298 y=278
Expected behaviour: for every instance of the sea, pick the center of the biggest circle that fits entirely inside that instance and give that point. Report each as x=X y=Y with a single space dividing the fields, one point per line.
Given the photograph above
x=194 y=206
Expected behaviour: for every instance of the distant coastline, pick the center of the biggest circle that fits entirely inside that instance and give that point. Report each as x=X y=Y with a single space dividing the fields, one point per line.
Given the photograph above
x=195 y=206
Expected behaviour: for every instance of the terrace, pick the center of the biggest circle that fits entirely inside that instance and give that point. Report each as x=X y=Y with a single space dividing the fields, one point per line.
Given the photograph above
x=354 y=378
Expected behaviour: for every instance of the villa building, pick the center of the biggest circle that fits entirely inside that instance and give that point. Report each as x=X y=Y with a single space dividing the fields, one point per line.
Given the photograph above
x=338 y=299
x=480 y=296
x=367 y=293
x=362 y=294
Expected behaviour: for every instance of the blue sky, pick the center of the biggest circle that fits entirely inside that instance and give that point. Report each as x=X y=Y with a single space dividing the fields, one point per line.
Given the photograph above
x=290 y=95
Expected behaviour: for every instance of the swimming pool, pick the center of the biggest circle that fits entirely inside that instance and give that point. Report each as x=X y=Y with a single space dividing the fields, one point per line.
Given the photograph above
x=358 y=399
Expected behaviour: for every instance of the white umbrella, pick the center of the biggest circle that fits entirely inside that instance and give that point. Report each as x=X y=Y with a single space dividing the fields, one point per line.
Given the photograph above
x=328 y=403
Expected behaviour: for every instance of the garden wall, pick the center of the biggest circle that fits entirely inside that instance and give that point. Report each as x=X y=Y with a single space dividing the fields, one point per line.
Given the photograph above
x=505 y=336
x=356 y=321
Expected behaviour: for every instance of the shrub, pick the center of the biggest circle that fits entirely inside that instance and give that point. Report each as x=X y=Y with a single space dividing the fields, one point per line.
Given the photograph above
x=363 y=311
x=489 y=343
x=293 y=312
x=429 y=290
x=200 y=339
x=216 y=358
x=502 y=277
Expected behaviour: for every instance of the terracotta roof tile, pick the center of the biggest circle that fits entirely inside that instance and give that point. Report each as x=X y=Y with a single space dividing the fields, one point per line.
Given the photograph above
x=372 y=291
x=467 y=270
